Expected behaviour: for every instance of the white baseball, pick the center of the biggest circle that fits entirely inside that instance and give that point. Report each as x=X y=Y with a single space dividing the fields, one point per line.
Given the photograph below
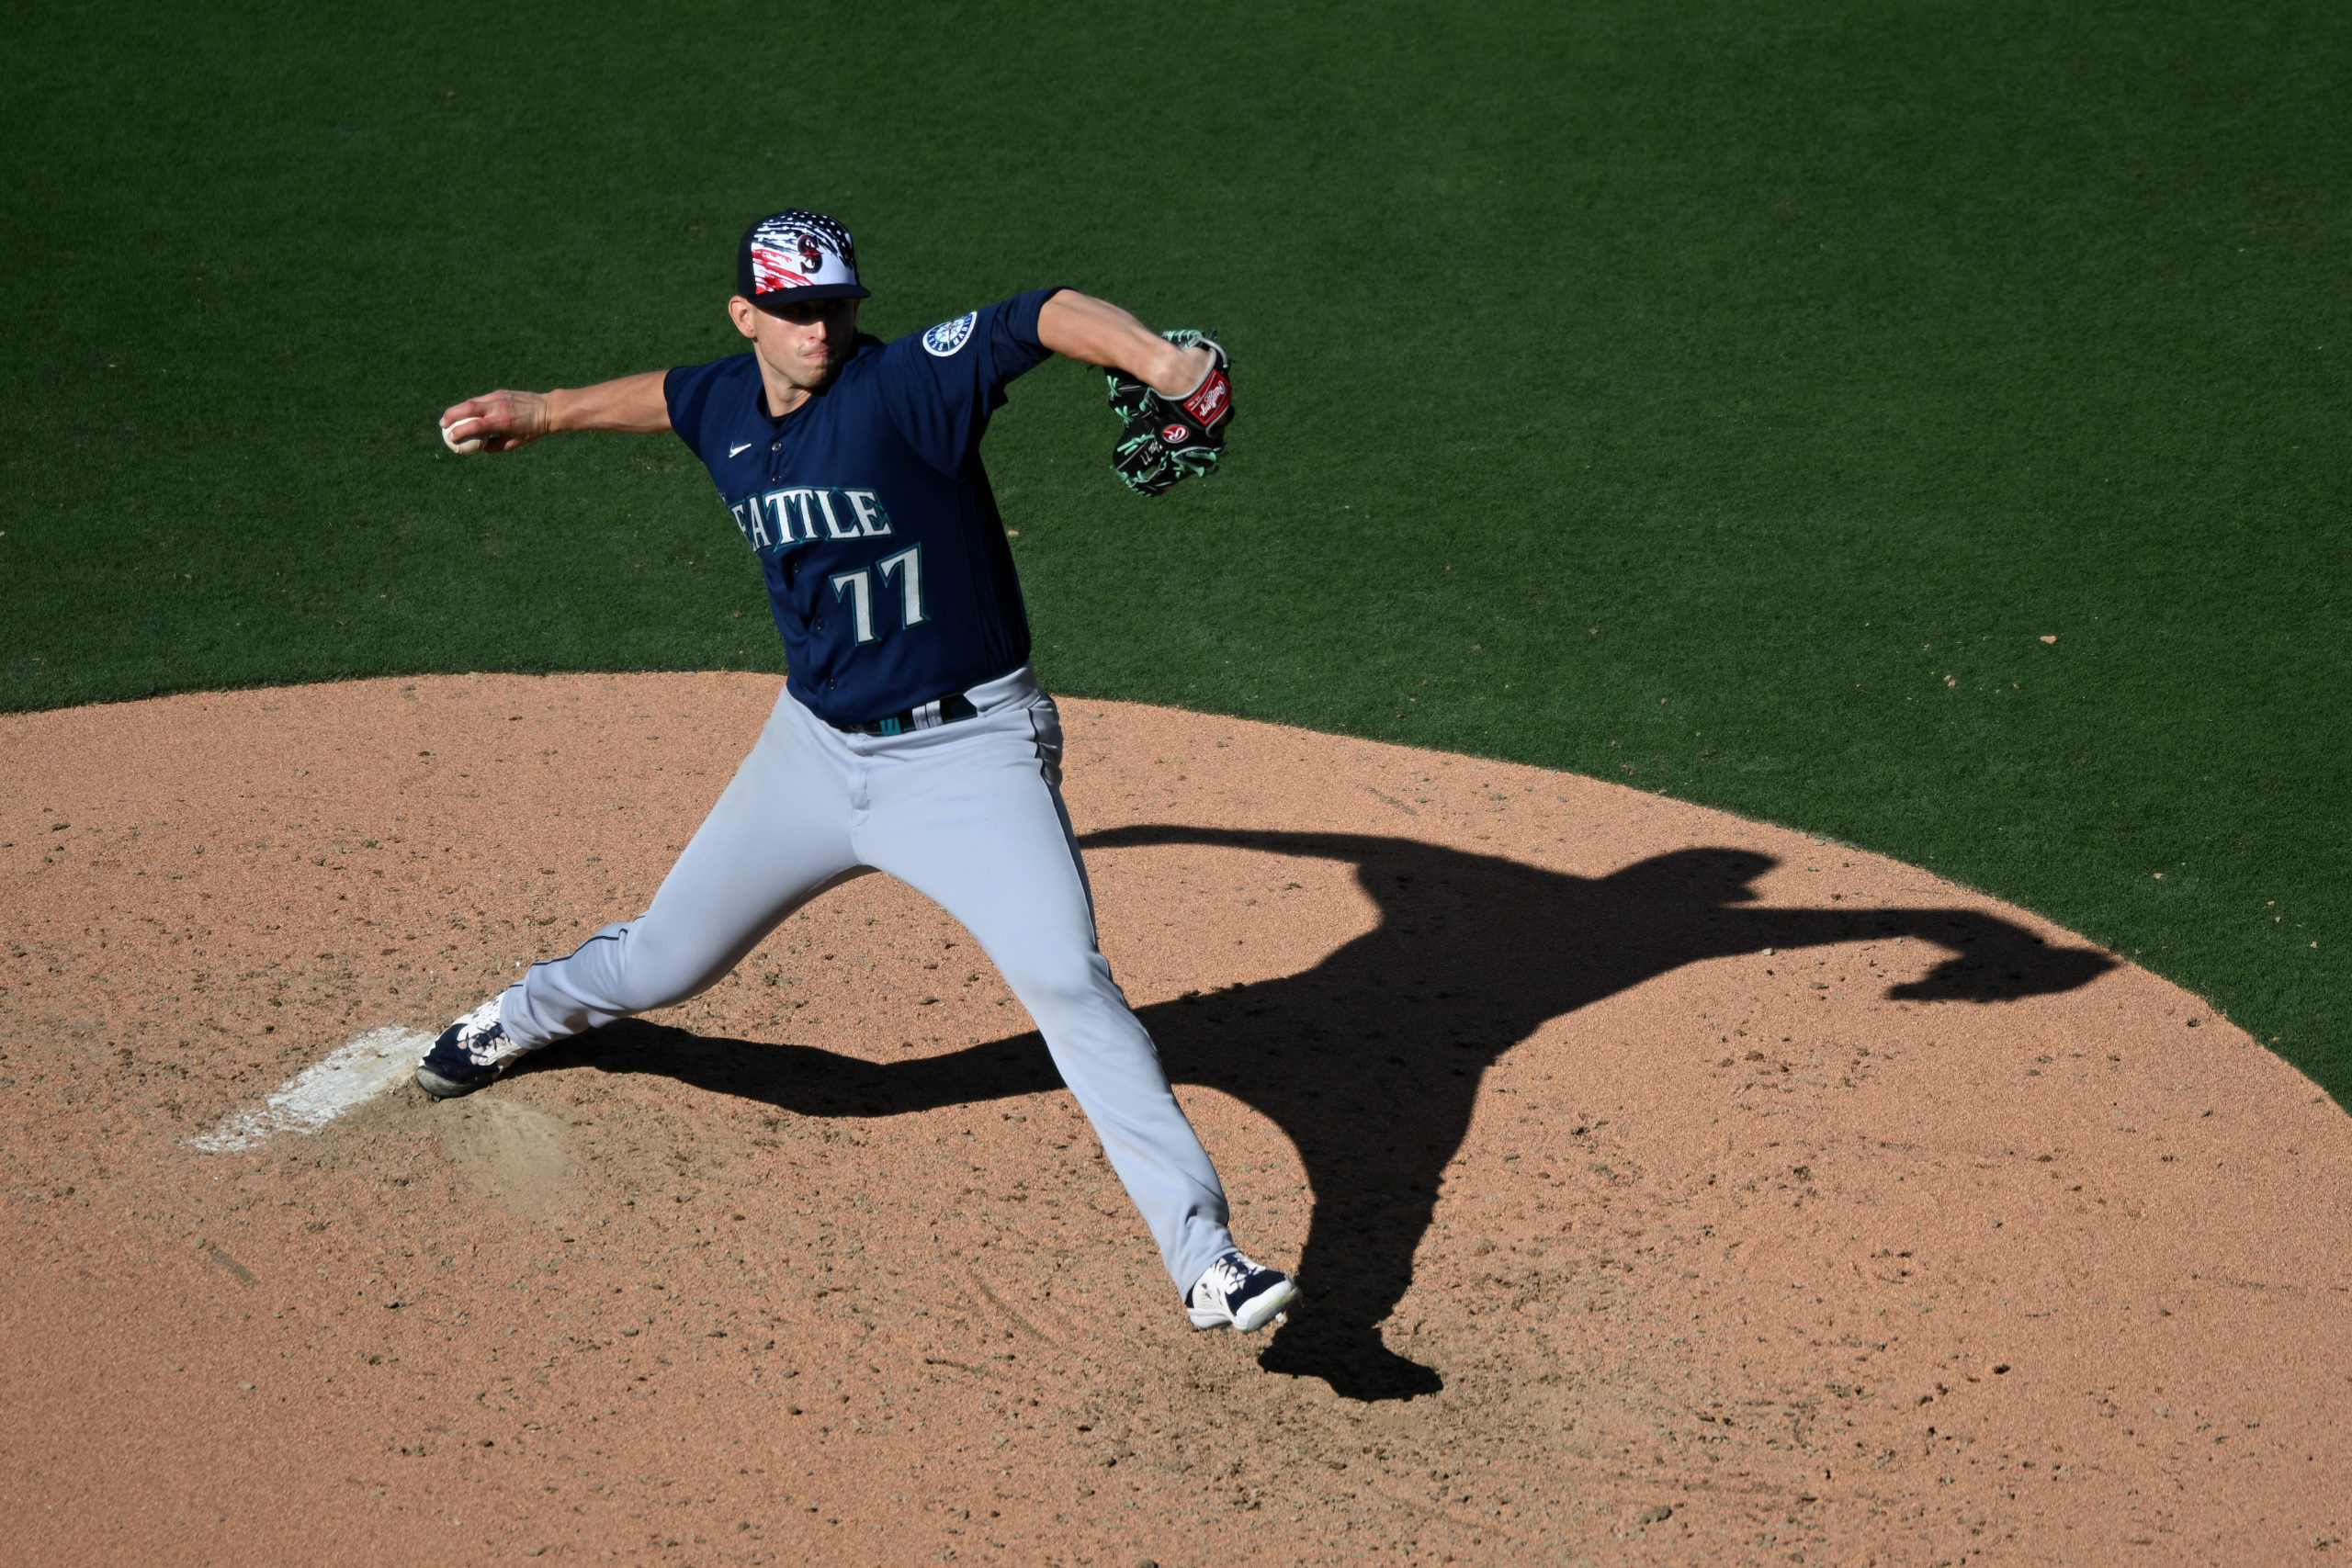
x=466 y=448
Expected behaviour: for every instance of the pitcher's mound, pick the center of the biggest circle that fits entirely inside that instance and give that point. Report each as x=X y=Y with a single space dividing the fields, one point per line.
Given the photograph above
x=1665 y=1187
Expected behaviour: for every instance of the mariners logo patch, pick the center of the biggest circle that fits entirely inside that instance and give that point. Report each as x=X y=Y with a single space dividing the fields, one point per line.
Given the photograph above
x=948 y=336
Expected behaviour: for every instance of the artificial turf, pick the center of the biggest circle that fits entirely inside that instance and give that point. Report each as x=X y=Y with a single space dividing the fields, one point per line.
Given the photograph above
x=1733 y=400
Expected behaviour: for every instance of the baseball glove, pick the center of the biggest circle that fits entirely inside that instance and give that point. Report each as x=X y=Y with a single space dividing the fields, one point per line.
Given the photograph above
x=1162 y=438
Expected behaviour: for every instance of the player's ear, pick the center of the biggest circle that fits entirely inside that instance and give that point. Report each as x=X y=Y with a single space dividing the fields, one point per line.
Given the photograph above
x=745 y=316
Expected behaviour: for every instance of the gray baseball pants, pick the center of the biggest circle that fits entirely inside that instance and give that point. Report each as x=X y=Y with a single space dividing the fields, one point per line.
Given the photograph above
x=970 y=815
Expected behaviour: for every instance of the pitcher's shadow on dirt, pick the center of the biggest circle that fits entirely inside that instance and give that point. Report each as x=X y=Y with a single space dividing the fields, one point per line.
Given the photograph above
x=1371 y=1060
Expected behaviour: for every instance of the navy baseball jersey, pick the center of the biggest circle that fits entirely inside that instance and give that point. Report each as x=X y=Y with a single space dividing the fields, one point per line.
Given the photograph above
x=886 y=560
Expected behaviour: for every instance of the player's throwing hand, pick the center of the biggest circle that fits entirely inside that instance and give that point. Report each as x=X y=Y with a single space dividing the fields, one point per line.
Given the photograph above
x=496 y=422
x=503 y=419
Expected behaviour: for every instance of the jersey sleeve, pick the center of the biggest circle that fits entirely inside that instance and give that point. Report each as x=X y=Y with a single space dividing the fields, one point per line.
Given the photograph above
x=939 y=386
x=687 y=389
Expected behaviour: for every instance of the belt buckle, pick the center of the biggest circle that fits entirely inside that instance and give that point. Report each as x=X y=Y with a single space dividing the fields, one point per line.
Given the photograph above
x=941 y=710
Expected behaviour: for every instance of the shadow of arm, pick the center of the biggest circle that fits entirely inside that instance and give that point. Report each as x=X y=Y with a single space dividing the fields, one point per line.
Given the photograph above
x=1995 y=961
x=1992 y=959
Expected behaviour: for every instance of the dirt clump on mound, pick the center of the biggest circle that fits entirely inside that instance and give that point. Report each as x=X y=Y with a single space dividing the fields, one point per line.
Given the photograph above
x=1665 y=1185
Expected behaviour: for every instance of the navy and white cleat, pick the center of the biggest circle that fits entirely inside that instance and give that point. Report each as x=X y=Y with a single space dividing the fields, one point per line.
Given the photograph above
x=471 y=1053
x=1240 y=1293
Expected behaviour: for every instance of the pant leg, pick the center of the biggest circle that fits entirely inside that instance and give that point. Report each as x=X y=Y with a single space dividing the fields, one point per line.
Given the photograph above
x=779 y=836
x=971 y=815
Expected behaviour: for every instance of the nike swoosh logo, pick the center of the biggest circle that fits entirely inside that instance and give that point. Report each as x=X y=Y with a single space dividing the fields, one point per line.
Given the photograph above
x=738 y=451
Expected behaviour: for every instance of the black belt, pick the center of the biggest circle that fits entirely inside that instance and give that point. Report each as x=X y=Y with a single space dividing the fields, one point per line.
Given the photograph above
x=923 y=716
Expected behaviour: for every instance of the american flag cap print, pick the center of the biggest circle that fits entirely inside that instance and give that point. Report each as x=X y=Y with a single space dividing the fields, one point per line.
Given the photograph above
x=797 y=254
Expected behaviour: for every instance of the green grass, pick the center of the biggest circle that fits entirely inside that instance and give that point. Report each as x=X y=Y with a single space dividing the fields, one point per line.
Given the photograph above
x=1722 y=397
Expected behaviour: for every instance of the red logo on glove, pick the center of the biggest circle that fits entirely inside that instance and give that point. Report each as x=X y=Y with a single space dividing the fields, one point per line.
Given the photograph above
x=1211 y=399
x=1172 y=433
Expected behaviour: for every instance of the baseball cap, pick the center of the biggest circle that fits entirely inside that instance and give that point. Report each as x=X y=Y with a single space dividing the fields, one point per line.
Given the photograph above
x=794 y=255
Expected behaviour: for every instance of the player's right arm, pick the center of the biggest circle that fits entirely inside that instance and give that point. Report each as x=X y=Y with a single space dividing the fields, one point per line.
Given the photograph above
x=503 y=419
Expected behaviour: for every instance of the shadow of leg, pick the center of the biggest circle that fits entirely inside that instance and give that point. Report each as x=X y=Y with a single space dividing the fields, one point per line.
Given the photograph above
x=805 y=1080
x=1356 y=1265
x=1375 y=1118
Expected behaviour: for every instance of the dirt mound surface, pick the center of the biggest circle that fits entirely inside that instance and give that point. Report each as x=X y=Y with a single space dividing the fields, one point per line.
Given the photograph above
x=1666 y=1186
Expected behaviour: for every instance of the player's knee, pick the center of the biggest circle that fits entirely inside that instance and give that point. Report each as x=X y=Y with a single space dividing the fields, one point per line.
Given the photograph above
x=1058 y=983
x=645 y=971
x=667 y=985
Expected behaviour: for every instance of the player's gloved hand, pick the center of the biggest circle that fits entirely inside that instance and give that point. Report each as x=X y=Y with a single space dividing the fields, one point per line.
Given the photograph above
x=1164 y=438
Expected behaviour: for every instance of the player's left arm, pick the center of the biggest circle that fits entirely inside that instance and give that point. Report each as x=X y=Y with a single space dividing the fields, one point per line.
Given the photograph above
x=1099 y=333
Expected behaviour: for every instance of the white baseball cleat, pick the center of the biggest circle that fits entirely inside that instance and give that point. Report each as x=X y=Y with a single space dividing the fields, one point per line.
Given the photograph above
x=470 y=1053
x=1243 y=1294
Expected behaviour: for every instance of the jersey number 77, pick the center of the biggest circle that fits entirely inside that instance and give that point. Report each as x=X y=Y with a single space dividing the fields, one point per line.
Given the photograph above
x=857 y=587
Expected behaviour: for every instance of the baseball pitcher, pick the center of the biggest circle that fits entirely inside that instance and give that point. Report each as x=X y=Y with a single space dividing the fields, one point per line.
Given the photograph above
x=912 y=736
